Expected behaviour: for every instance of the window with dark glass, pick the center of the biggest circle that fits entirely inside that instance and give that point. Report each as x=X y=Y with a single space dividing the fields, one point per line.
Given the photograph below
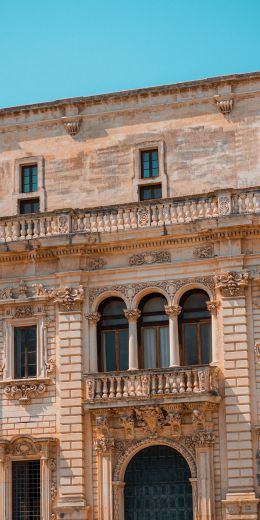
x=29 y=206
x=26 y=490
x=29 y=178
x=113 y=336
x=153 y=332
x=195 y=329
x=149 y=164
x=154 y=191
x=25 y=351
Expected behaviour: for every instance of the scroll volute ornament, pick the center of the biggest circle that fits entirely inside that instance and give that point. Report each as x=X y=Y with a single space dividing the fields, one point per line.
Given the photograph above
x=232 y=283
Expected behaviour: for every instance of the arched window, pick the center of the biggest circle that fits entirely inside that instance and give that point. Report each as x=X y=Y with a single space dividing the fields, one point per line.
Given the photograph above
x=195 y=328
x=153 y=331
x=113 y=336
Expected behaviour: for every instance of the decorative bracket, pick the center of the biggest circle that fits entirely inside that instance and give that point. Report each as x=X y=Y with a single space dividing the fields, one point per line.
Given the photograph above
x=72 y=126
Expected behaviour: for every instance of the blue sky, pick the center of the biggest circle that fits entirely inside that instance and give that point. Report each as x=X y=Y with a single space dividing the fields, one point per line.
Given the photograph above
x=51 y=49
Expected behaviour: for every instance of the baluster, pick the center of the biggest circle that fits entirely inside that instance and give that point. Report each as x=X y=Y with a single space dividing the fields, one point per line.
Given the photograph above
x=250 y=197
x=200 y=208
x=105 y=389
x=257 y=202
x=133 y=218
x=180 y=214
x=182 y=383
x=111 y=388
x=8 y=232
x=160 y=384
x=113 y=220
x=120 y=220
x=153 y=389
x=80 y=223
x=49 y=227
x=98 y=389
x=214 y=207
x=173 y=212
x=23 y=230
x=15 y=230
x=167 y=214
x=35 y=228
x=29 y=228
x=125 y=387
x=208 y=211
x=131 y=386
x=54 y=226
x=100 y=224
x=126 y=216
x=173 y=380
x=86 y=222
x=42 y=227
x=167 y=384
x=154 y=218
x=189 y=382
x=93 y=222
x=186 y=211
x=2 y=233
x=193 y=210
x=195 y=382
x=138 y=386
x=118 y=387
x=107 y=222
x=160 y=215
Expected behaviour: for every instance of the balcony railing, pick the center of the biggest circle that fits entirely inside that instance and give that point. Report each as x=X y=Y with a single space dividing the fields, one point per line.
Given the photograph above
x=125 y=217
x=143 y=384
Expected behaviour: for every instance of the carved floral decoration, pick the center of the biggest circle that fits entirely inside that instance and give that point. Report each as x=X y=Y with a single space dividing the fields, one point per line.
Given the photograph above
x=204 y=251
x=150 y=257
x=232 y=283
x=24 y=391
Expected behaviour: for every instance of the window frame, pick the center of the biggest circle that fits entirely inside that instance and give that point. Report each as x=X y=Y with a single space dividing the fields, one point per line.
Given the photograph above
x=28 y=166
x=150 y=152
x=137 y=180
x=157 y=325
x=26 y=365
x=104 y=328
x=149 y=186
x=18 y=194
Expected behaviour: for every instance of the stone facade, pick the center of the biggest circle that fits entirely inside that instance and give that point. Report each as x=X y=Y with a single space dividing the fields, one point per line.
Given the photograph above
x=93 y=239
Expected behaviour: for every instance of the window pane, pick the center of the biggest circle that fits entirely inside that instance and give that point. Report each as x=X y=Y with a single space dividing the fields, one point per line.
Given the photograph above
x=191 y=344
x=151 y=192
x=164 y=347
x=149 y=347
x=123 y=346
x=25 y=352
x=109 y=352
x=29 y=179
x=29 y=206
x=205 y=329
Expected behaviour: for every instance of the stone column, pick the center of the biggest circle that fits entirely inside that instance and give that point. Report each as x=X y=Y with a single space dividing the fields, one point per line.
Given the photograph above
x=132 y=316
x=213 y=307
x=2 y=483
x=118 y=500
x=93 y=318
x=194 y=485
x=104 y=448
x=173 y=312
x=45 y=486
x=206 y=509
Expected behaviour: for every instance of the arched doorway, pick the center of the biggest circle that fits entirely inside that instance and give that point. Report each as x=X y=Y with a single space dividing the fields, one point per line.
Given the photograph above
x=157 y=486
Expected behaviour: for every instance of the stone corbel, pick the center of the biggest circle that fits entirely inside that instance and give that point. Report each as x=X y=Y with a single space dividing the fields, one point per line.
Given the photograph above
x=224 y=104
x=25 y=391
x=71 y=125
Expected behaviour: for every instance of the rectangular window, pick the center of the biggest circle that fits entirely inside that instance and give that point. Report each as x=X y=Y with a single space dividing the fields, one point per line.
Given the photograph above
x=26 y=490
x=29 y=206
x=29 y=178
x=153 y=191
x=149 y=164
x=25 y=352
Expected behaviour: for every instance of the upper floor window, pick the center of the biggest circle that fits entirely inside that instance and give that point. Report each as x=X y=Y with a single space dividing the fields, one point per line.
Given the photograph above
x=153 y=191
x=195 y=328
x=25 y=351
x=153 y=332
x=149 y=164
x=29 y=178
x=113 y=336
x=29 y=206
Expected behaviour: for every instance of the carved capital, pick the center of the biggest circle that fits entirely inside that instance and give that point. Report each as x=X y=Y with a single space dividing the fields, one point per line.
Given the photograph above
x=93 y=317
x=24 y=391
x=232 y=283
x=132 y=314
x=213 y=306
x=172 y=310
x=104 y=444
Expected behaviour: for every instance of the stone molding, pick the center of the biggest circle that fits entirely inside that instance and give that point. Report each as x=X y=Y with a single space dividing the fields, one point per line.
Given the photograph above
x=232 y=284
x=150 y=257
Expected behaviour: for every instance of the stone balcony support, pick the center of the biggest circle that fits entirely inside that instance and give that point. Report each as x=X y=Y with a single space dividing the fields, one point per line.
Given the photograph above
x=132 y=316
x=173 y=312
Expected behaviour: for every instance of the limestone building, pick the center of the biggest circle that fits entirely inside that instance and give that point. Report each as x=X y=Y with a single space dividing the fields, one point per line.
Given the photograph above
x=130 y=305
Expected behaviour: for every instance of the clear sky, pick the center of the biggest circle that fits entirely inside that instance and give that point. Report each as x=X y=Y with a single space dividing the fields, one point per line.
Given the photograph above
x=52 y=49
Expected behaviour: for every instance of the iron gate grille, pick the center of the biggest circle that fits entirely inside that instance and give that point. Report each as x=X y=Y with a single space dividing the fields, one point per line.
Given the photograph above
x=26 y=490
x=157 y=486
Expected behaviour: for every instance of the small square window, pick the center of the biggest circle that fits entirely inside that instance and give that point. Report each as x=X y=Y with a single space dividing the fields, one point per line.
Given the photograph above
x=29 y=206
x=149 y=164
x=29 y=178
x=153 y=191
x=25 y=352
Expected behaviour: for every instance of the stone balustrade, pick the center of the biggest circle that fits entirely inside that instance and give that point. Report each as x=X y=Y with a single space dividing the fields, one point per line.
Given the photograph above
x=126 y=217
x=142 y=384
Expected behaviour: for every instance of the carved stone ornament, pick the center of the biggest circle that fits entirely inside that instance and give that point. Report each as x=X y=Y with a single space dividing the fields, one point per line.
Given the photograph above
x=151 y=257
x=23 y=289
x=225 y=105
x=169 y=286
x=24 y=311
x=95 y=263
x=93 y=317
x=50 y=366
x=72 y=126
x=224 y=205
x=104 y=444
x=6 y=293
x=24 y=391
x=132 y=314
x=204 y=251
x=172 y=310
x=144 y=217
x=232 y=283
x=23 y=447
x=2 y=367
x=257 y=351
x=213 y=306
x=68 y=297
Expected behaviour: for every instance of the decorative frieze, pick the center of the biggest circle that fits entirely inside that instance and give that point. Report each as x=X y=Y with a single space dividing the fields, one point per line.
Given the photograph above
x=150 y=257
x=232 y=283
x=95 y=263
x=24 y=391
x=204 y=251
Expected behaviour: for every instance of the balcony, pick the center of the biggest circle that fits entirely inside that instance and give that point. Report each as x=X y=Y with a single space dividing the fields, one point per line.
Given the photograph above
x=127 y=217
x=180 y=384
